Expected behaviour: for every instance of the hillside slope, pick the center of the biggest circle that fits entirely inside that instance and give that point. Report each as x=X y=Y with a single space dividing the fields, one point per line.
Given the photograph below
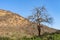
x=12 y=24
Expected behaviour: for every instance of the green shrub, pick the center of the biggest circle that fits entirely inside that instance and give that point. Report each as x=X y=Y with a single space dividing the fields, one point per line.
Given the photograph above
x=5 y=38
x=54 y=36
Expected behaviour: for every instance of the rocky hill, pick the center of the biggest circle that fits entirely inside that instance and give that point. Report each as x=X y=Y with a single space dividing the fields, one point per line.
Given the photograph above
x=12 y=24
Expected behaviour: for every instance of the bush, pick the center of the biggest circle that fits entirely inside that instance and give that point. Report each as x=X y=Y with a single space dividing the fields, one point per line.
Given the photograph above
x=5 y=38
x=52 y=36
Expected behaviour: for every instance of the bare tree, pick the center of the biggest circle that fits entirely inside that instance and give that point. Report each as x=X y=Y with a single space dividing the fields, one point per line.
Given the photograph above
x=40 y=16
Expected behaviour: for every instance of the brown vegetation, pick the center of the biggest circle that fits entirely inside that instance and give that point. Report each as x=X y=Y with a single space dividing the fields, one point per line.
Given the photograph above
x=12 y=24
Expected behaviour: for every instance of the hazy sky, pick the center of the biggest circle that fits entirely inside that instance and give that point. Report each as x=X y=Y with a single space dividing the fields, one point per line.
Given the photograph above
x=24 y=8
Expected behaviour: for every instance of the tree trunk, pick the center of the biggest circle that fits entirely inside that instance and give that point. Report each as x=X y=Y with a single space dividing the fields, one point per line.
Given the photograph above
x=39 y=30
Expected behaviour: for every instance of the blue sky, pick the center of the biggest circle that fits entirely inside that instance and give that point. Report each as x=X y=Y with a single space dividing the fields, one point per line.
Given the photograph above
x=24 y=8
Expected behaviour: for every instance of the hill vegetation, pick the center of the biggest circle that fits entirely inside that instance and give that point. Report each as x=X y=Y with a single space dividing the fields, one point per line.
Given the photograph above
x=16 y=27
x=53 y=36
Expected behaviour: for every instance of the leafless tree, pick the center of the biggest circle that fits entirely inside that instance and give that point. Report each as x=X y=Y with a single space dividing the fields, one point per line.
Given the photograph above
x=39 y=16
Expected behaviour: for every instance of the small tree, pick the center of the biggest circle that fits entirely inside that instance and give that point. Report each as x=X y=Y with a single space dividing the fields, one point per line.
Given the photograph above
x=40 y=16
